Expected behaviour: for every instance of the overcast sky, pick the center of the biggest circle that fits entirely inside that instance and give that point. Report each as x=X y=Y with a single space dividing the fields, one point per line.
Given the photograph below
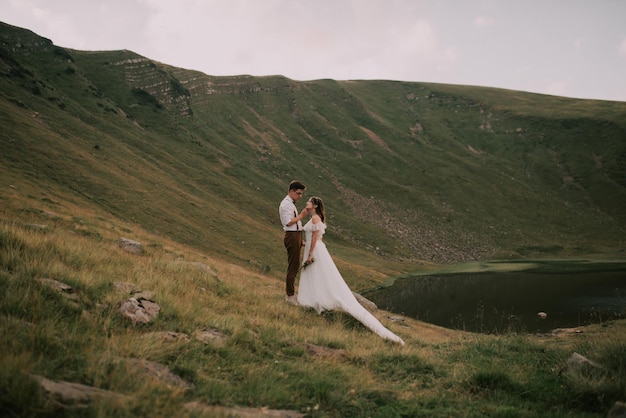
x=573 y=48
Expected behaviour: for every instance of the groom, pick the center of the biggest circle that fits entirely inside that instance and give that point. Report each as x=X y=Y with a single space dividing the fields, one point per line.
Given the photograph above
x=292 y=225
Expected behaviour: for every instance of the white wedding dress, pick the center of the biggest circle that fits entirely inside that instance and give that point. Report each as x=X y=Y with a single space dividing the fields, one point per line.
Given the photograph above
x=323 y=289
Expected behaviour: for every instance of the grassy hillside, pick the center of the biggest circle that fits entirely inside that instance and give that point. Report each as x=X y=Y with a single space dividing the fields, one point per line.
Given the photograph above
x=412 y=173
x=271 y=358
x=95 y=146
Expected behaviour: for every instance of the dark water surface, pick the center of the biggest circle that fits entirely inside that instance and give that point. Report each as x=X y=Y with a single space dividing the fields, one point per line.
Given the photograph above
x=508 y=302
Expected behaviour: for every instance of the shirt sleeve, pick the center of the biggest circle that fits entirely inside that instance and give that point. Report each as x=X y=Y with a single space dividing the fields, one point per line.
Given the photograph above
x=286 y=212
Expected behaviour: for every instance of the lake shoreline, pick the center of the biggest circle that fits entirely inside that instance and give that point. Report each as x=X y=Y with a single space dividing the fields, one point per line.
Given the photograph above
x=551 y=265
x=495 y=297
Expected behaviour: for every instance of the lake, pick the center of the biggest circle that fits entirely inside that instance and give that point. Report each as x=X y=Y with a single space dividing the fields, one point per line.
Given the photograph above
x=498 y=302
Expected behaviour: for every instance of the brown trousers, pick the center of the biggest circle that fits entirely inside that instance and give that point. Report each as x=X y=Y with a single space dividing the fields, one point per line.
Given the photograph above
x=293 y=244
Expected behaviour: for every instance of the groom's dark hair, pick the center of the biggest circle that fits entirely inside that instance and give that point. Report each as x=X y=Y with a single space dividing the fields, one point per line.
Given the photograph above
x=296 y=185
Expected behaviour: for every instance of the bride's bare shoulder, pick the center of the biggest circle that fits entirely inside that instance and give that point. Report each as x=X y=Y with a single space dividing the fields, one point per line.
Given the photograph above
x=316 y=219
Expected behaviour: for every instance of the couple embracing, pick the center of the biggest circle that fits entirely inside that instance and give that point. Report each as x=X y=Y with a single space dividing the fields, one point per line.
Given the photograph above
x=321 y=285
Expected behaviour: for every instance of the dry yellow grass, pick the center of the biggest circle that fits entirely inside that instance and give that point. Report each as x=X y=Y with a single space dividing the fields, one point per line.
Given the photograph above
x=266 y=338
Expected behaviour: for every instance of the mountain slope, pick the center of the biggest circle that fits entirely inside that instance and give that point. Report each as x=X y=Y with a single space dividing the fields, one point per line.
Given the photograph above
x=411 y=173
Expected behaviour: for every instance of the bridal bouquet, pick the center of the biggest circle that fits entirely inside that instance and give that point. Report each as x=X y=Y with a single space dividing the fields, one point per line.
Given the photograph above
x=306 y=263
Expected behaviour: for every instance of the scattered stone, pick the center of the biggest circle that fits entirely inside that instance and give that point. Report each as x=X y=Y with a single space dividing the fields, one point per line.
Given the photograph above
x=66 y=290
x=168 y=336
x=156 y=372
x=56 y=285
x=579 y=364
x=201 y=266
x=36 y=227
x=366 y=303
x=143 y=294
x=560 y=331
x=65 y=394
x=397 y=319
x=140 y=308
x=211 y=336
x=131 y=246
x=123 y=287
x=240 y=411
x=204 y=267
x=140 y=311
x=152 y=308
x=542 y=315
x=618 y=410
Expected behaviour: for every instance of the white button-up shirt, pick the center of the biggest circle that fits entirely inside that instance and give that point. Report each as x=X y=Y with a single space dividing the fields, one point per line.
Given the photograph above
x=287 y=211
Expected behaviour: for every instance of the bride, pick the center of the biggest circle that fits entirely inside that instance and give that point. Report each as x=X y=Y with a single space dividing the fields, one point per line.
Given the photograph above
x=321 y=285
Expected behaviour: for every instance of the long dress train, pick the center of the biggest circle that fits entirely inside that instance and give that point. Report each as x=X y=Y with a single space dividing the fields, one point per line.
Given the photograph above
x=322 y=287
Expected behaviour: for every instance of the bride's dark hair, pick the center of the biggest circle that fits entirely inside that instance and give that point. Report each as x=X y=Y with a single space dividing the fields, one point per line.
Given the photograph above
x=320 y=207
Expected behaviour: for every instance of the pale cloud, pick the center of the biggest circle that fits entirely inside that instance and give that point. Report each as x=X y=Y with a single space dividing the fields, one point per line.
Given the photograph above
x=340 y=40
x=484 y=21
x=512 y=45
x=557 y=87
x=80 y=24
x=59 y=26
x=28 y=10
x=622 y=48
x=578 y=44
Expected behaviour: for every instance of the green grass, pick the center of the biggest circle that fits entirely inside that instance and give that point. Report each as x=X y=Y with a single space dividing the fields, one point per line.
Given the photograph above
x=417 y=177
x=411 y=172
x=263 y=363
